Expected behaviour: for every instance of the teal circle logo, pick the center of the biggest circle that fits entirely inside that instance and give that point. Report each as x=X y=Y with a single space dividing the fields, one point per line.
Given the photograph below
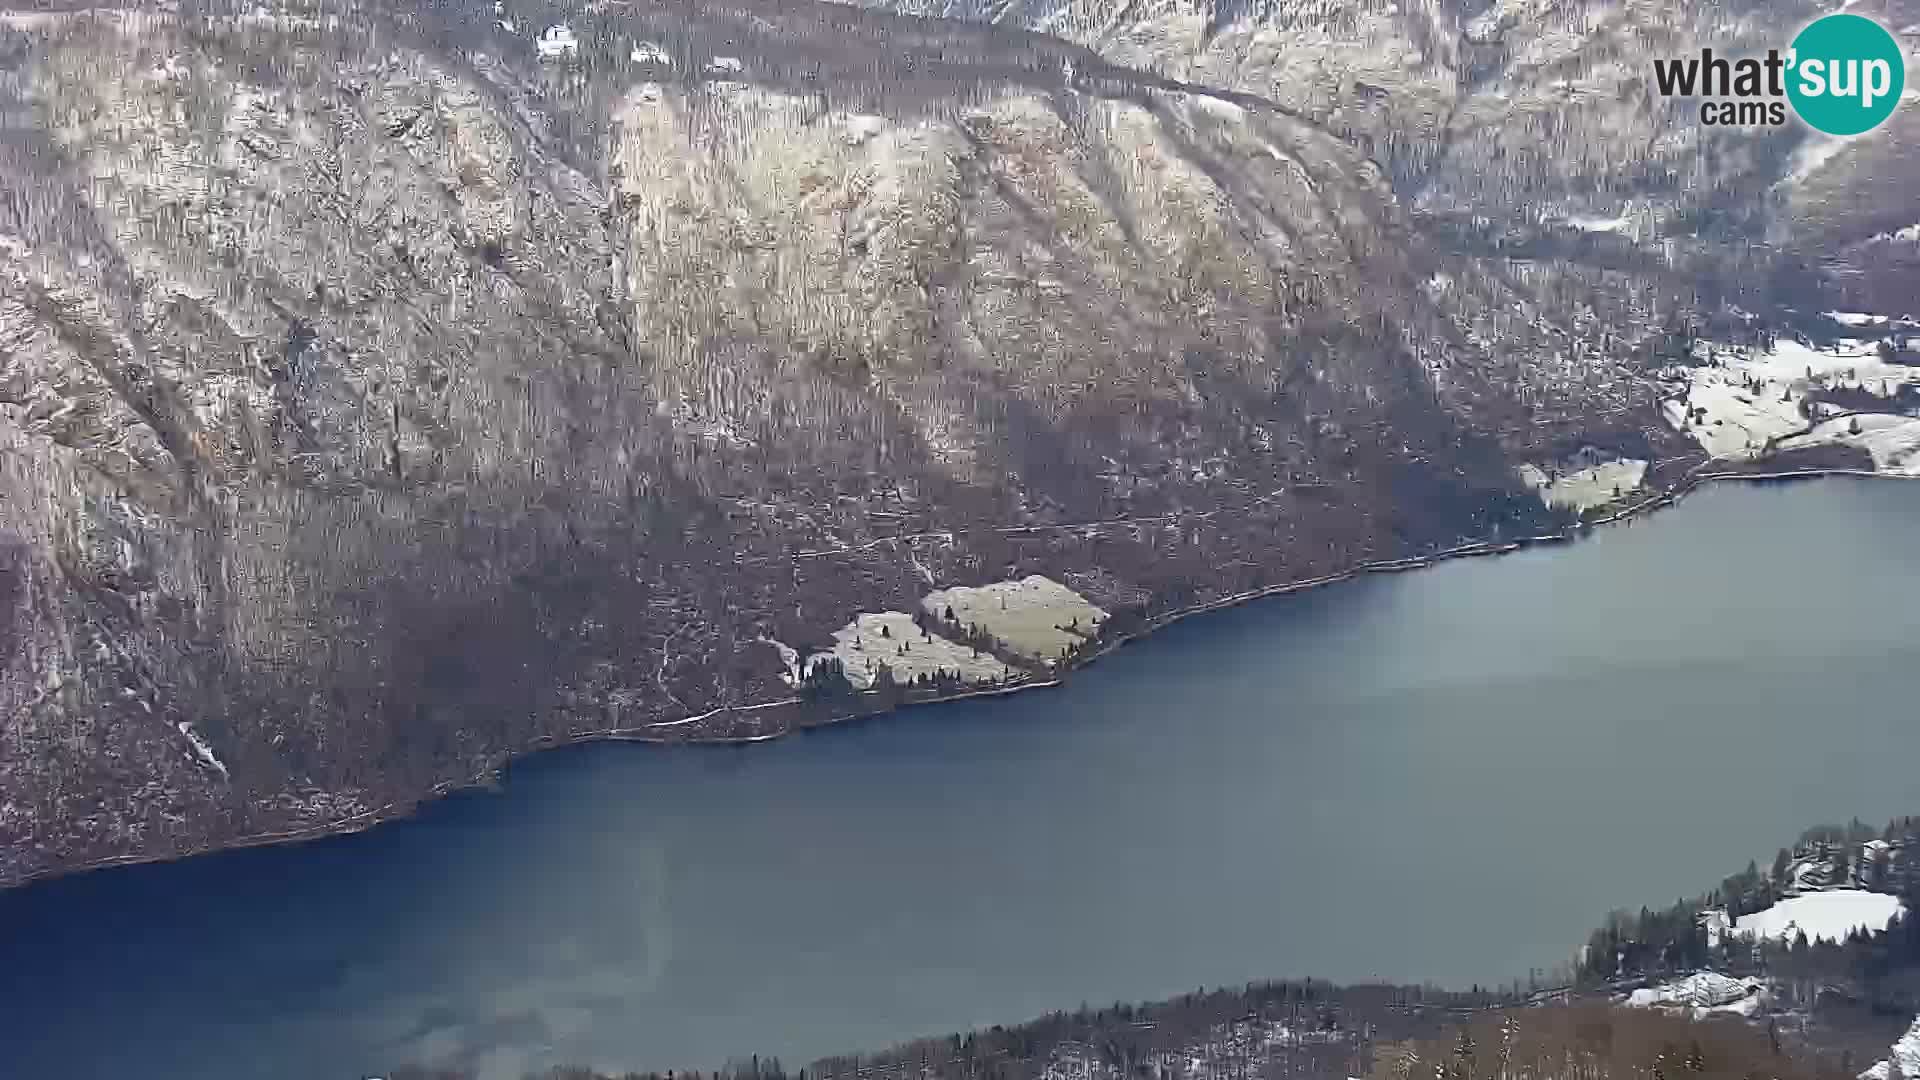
x=1847 y=74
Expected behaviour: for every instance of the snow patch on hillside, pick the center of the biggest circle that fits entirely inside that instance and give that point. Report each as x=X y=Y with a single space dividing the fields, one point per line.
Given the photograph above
x=1825 y=916
x=646 y=52
x=1742 y=403
x=201 y=748
x=1590 y=224
x=1035 y=617
x=789 y=660
x=1906 y=1054
x=1715 y=922
x=1586 y=488
x=892 y=640
x=1892 y=441
x=557 y=41
x=1810 y=156
x=1855 y=318
x=1703 y=990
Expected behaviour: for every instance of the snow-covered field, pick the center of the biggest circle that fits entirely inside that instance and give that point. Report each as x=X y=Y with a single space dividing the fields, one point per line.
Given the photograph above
x=1893 y=441
x=1906 y=1054
x=892 y=639
x=1748 y=401
x=1825 y=916
x=1586 y=488
x=1036 y=616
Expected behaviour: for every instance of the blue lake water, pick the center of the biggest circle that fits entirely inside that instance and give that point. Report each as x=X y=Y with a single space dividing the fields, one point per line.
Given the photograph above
x=1448 y=775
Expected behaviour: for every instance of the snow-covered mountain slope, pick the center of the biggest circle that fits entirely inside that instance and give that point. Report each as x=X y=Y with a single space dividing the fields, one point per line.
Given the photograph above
x=1742 y=404
x=387 y=389
x=1477 y=105
x=1505 y=116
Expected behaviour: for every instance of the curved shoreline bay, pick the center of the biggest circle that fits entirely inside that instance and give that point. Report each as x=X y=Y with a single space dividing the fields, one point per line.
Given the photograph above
x=713 y=726
x=1445 y=776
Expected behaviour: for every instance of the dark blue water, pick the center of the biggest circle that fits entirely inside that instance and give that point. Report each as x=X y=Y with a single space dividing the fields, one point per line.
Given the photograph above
x=1448 y=776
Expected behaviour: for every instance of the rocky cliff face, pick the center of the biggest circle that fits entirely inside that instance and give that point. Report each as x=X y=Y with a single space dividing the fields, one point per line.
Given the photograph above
x=385 y=391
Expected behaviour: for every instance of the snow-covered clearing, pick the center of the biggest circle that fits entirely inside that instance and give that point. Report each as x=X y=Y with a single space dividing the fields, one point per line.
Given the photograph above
x=1035 y=617
x=1892 y=441
x=1906 y=1054
x=1825 y=916
x=891 y=639
x=1745 y=401
x=1586 y=488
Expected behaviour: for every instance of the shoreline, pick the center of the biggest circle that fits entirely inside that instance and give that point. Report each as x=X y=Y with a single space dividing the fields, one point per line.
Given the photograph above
x=1695 y=479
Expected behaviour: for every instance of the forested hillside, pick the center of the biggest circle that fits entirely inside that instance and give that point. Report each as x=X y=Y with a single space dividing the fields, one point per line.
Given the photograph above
x=1880 y=967
x=389 y=390
x=1344 y=1035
